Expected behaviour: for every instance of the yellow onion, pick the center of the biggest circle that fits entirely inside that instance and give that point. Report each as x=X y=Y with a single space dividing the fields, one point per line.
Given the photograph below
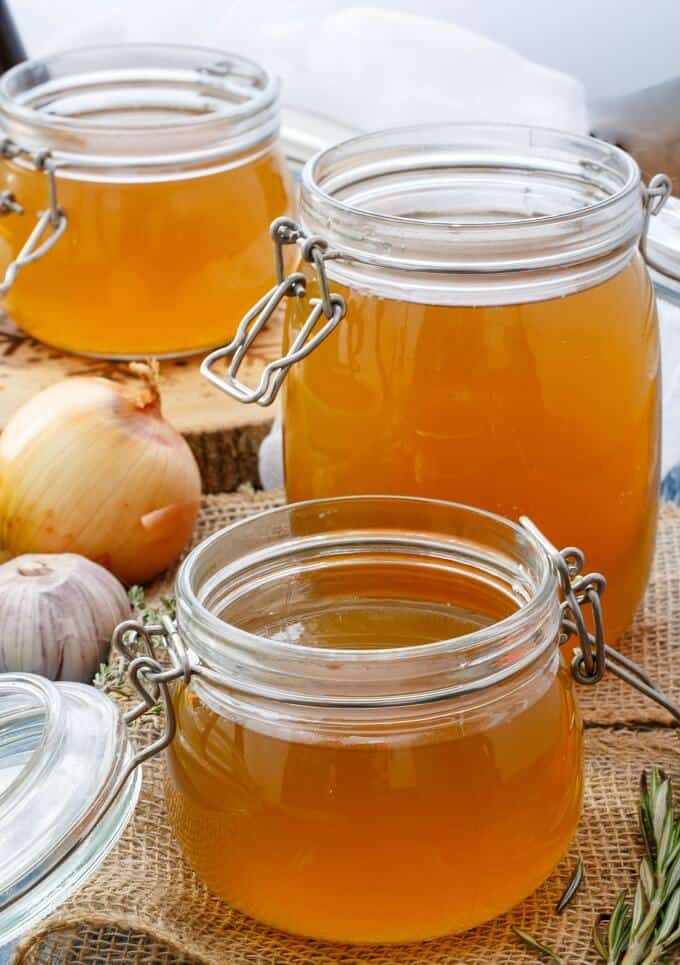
x=89 y=466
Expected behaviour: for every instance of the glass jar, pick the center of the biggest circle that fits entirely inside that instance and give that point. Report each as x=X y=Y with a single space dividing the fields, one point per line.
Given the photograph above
x=154 y=172
x=382 y=743
x=489 y=335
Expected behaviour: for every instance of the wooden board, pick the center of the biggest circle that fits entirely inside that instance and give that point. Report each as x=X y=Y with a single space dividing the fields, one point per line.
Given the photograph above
x=224 y=434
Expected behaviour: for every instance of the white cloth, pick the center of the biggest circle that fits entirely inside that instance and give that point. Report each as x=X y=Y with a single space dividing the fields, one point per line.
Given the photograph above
x=372 y=68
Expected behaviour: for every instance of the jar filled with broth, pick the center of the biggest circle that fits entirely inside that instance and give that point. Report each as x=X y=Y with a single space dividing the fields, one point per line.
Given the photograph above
x=377 y=682
x=139 y=185
x=472 y=320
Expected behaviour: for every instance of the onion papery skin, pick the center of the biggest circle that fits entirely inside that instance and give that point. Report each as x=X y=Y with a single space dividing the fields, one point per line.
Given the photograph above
x=89 y=467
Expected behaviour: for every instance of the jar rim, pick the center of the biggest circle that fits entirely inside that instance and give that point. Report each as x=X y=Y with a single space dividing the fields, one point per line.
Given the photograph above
x=444 y=213
x=199 y=103
x=311 y=175
x=203 y=627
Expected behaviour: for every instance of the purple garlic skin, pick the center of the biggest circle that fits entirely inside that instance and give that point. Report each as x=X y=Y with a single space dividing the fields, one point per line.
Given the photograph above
x=57 y=614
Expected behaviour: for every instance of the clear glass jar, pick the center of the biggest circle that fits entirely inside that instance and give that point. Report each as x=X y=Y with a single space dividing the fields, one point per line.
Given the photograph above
x=379 y=742
x=167 y=170
x=499 y=342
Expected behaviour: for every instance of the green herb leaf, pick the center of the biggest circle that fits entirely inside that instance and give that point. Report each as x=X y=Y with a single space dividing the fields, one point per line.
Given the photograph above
x=537 y=946
x=669 y=919
x=646 y=933
x=619 y=929
x=600 y=948
x=573 y=886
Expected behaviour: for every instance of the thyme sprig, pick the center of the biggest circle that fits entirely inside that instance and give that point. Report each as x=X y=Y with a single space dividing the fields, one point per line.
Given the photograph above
x=648 y=930
x=112 y=676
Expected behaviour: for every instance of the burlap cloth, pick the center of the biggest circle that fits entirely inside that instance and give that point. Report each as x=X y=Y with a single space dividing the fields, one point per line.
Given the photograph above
x=145 y=905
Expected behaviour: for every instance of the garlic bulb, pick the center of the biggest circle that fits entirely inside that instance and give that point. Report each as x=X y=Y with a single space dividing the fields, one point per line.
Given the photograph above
x=57 y=615
x=90 y=466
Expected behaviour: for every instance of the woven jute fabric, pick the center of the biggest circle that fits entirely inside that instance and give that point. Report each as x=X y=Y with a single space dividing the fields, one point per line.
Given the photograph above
x=145 y=905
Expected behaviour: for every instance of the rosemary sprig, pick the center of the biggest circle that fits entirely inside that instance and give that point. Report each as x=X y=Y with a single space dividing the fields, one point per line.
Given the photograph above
x=648 y=930
x=112 y=676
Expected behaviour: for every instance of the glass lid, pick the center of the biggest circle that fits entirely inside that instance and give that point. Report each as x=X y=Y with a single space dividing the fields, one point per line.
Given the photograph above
x=64 y=756
x=663 y=248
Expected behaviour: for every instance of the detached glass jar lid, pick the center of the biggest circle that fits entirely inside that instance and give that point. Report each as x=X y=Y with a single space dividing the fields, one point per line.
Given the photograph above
x=67 y=791
x=139 y=184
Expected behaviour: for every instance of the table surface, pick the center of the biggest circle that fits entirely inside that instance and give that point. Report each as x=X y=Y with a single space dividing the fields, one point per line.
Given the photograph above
x=190 y=403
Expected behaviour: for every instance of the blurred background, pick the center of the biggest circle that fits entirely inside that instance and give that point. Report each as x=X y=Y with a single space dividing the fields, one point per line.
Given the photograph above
x=613 y=46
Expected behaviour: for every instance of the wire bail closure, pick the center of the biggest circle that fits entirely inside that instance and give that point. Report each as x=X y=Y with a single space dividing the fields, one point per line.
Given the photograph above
x=593 y=656
x=51 y=223
x=330 y=306
x=655 y=195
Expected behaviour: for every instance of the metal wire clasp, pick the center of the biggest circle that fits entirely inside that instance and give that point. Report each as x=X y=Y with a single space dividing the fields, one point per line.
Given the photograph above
x=150 y=678
x=593 y=656
x=51 y=223
x=655 y=195
x=331 y=306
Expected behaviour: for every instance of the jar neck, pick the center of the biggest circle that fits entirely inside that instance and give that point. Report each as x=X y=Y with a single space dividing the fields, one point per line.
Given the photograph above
x=473 y=214
x=280 y=558
x=140 y=108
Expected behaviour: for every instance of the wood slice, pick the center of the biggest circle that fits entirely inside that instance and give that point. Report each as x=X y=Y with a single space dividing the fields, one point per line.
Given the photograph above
x=224 y=435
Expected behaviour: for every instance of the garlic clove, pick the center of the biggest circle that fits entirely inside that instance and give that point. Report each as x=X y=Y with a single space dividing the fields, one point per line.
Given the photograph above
x=57 y=615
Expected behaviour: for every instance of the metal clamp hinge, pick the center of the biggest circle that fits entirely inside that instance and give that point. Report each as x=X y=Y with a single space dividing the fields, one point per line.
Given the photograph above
x=593 y=656
x=50 y=224
x=655 y=196
x=151 y=679
x=329 y=306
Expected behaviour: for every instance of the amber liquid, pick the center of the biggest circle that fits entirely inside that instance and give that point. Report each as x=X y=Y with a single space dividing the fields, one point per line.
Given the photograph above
x=146 y=267
x=389 y=829
x=549 y=409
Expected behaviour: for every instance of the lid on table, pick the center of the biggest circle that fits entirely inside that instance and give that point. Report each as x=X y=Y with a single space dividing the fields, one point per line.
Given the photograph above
x=663 y=249
x=64 y=751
